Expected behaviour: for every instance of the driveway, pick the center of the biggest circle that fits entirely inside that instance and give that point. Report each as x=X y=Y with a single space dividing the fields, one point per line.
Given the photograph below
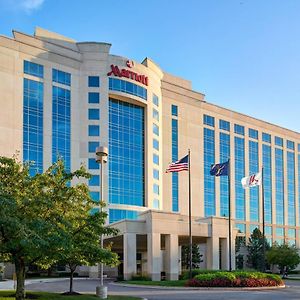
x=291 y=292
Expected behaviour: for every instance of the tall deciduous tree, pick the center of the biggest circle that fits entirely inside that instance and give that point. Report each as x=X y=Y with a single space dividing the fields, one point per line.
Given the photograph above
x=36 y=214
x=255 y=250
x=284 y=256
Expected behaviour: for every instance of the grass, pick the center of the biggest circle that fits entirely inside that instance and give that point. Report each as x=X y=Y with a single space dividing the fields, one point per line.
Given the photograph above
x=8 y=295
x=157 y=283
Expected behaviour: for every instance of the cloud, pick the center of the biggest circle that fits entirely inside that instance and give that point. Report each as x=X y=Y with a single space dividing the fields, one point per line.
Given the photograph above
x=30 y=5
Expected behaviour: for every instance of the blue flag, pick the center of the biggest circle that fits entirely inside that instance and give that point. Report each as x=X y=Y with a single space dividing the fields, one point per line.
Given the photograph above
x=221 y=169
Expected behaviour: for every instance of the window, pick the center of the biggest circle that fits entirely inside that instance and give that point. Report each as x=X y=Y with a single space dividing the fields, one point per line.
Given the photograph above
x=94 y=180
x=156 y=189
x=155 y=129
x=119 y=214
x=156 y=144
x=253 y=133
x=253 y=227
x=33 y=69
x=208 y=120
x=290 y=145
x=156 y=159
x=127 y=87
x=174 y=110
x=292 y=233
x=95 y=196
x=94 y=81
x=241 y=227
x=155 y=100
x=93 y=146
x=61 y=77
x=239 y=129
x=280 y=231
x=94 y=97
x=94 y=130
x=278 y=141
x=225 y=125
x=94 y=114
x=155 y=174
x=155 y=114
x=93 y=165
x=268 y=230
x=156 y=203
x=266 y=137
x=298 y=147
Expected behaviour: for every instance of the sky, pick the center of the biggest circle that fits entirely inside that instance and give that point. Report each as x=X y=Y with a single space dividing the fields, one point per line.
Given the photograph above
x=242 y=54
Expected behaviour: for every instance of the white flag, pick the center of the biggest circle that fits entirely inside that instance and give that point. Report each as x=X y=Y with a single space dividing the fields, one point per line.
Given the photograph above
x=252 y=180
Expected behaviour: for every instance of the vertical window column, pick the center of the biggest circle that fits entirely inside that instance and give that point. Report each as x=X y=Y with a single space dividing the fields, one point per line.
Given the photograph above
x=267 y=163
x=279 y=179
x=175 y=192
x=291 y=188
x=254 y=192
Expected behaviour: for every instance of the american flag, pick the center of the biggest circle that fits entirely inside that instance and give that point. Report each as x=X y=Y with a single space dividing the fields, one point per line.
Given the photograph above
x=179 y=165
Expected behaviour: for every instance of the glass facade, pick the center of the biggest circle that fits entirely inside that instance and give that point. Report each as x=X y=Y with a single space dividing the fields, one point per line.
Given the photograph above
x=267 y=163
x=254 y=192
x=266 y=137
x=208 y=120
x=225 y=125
x=239 y=149
x=299 y=185
x=253 y=133
x=239 y=129
x=33 y=125
x=33 y=69
x=126 y=153
x=291 y=188
x=224 y=156
x=93 y=81
x=61 y=125
x=209 y=181
x=279 y=178
x=120 y=214
x=61 y=77
x=127 y=87
x=175 y=204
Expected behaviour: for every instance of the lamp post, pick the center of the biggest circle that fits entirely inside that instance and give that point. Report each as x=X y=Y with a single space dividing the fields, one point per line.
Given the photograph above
x=101 y=158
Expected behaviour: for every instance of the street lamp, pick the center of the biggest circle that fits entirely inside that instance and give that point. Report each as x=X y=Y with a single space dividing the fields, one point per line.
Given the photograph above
x=101 y=158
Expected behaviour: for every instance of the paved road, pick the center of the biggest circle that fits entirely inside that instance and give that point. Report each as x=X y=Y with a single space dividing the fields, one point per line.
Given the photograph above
x=292 y=292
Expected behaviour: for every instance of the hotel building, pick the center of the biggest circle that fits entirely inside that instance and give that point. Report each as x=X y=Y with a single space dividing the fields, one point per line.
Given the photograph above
x=62 y=97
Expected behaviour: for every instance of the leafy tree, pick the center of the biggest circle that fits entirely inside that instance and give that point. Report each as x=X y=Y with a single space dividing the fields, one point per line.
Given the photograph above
x=36 y=214
x=255 y=250
x=185 y=256
x=284 y=256
x=83 y=247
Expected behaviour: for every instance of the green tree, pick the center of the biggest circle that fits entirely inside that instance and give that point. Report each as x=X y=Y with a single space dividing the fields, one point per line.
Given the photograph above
x=185 y=256
x=284 y=256
x=255 y=250
x=36 y=214
x=83 y=247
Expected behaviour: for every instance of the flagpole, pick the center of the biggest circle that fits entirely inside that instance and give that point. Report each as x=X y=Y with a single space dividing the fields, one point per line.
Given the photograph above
x=190 y=218
x=229 y=216
x=263 y=217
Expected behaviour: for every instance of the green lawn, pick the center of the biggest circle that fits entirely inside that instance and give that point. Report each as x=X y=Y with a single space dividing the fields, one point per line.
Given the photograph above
x=157 y=283
x=7 y=295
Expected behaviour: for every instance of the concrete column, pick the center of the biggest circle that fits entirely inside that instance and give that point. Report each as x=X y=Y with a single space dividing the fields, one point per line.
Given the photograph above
x=179 y=260
x=224 y=254
x=171 y=243
x=153 y=256
x=212 y=251
x=129 y=256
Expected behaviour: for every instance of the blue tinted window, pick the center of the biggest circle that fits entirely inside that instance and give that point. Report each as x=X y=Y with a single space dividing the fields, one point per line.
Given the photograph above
x=280 y=231
x=268 y=230
x=225 y=125
x=174 y=110
x=241 y=227
x=94 y=180
x=95 y=196
x=94 y=97
x=127 y=87
x=155 y=100
x=291 y=209
x=156 y=189
x=239 y=129
x=253 y=227
x=155 y=114
x=278 y=141
x=94 y=130
x=126 y=153
x=279 y=186
x=208 y=120
x=156 y=144
x=253 y=133
x=93 y=165
x=175 y=194
x=155 y=129
x=33 y=125
x=61 y=125
x=292 y=233
x=156 y=203
x=61 y=77
x=290 y=145
x=94 y=114
x=254 y=192
x=93 y=146
x=298 y=147
x=33 y=69
x=155 y=174
x=156 y=159
x=266 y=137
x=267 y=163
x=120 y=214
x=93 y=81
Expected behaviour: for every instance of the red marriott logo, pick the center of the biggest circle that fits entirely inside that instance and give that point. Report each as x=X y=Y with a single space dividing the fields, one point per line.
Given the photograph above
x=128 y=74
